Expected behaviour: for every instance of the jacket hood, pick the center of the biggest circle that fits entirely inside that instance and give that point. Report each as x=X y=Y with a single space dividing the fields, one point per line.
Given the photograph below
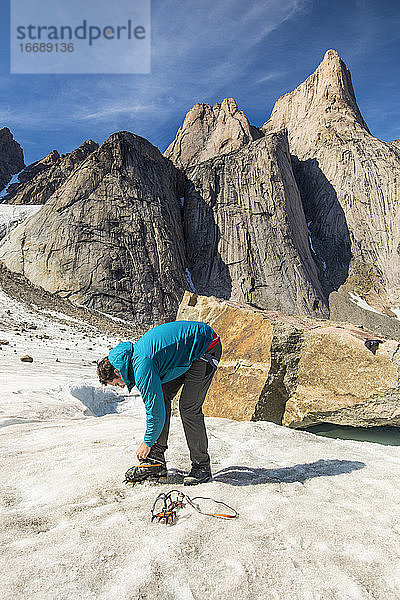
x=121 y=358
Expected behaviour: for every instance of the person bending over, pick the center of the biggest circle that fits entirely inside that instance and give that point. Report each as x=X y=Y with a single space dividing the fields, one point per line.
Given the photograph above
x=167 y=357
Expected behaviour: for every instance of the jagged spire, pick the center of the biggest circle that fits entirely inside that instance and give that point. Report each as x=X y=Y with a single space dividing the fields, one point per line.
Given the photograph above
x=209 y=131
x=324 y=98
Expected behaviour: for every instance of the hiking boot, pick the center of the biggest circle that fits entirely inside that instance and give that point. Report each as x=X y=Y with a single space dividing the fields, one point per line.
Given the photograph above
x=149 y=468
x=198 y=474
x=156 y=454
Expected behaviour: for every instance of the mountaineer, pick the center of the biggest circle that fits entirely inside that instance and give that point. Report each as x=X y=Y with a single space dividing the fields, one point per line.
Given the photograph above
x=165 y=358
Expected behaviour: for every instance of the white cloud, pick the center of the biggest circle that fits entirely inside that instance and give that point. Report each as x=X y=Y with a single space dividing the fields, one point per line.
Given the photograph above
x=199 y=49
x=119 y=108
x=272 y=76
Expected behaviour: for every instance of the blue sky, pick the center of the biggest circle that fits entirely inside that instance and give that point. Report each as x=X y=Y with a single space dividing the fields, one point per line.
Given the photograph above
x=204 y=51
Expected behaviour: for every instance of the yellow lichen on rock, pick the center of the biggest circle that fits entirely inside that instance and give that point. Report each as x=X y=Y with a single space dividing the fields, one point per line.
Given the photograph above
x=246 y=341
x=336 y=371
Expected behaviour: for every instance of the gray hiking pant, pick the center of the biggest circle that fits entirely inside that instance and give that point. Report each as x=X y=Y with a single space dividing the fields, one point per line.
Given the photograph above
x=196 y=382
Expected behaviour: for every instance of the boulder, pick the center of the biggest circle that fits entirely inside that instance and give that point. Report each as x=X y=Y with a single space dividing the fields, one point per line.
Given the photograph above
x=246 y=359
x=345 y=305
x=297 y=371
x=26 y=358
x=340 y=381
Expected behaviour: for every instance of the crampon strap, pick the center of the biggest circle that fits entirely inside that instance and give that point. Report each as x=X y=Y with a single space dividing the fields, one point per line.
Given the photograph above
x=166 y=505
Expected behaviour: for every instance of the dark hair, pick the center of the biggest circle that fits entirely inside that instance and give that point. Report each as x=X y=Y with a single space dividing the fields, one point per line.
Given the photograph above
x=105 y=371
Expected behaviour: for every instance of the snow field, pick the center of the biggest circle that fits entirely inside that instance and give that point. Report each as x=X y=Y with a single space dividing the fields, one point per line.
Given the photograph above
x=309 y=527
x=319 y=519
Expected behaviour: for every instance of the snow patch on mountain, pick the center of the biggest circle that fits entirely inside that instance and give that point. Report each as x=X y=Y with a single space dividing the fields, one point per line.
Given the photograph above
x=13 y=180
x=189 y=280
x=12 y=215
x=356 y=299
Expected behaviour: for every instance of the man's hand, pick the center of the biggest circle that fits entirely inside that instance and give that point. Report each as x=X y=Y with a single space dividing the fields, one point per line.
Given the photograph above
x=143 y=451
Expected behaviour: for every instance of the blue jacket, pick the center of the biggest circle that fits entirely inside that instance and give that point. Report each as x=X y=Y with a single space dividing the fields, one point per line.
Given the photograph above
x=160 y=355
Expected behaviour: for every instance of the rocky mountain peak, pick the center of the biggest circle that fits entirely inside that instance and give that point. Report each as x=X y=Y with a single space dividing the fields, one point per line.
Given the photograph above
x=395 y=143
x=336 y=78
x=87 y=144
x=209 y=131
x=125 y=141
x=245 y=230
x=110 y=237
x=348 y=181
x=38 y=166
x=324 y=99
x=5 y=133
x=51 y=157
x=11 y=157
x=39 y=180
x=74 y=158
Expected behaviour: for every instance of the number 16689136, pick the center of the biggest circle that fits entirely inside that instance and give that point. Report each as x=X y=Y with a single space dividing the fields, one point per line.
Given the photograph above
x=47 y=47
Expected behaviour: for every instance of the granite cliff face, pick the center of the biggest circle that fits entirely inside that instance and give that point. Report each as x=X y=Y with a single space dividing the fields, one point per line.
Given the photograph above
x=349 y=184
x=111 y=236
x=245 y=230
x=38 y=181
x=209 y=131
x=11 y=157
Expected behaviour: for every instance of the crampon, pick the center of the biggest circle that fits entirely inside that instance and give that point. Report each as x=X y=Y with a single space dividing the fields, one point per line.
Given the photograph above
x=165 y=507
x=148 y=469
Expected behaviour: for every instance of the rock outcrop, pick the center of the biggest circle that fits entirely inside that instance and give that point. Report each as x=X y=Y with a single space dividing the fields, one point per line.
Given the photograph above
x=36 y=300
x=246 y=338
x=245 y=230
x=11 y=157
x=297 y=371
x=39 y=181
x=348 y=181
x=209 y=131
x=110 y=237
x=349 y=306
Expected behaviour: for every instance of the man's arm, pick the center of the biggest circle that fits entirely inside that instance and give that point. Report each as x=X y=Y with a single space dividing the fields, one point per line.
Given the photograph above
x=149 y=385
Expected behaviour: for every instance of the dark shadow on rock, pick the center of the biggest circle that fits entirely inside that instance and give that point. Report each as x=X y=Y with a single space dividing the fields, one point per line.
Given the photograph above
x=299 y=473
x=210 y=275
x=327 y=224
